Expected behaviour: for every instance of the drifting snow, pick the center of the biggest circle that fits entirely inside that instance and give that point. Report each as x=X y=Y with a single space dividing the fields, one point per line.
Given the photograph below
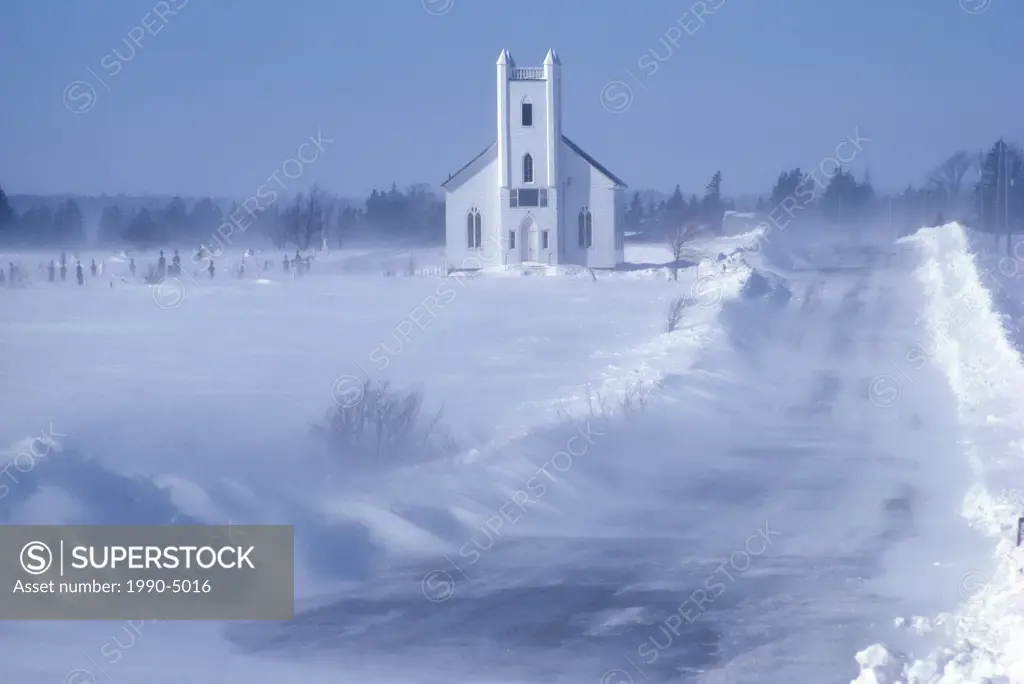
x=804 y=480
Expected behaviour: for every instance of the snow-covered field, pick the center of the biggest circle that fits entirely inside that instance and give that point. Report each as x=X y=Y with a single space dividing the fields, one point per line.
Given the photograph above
x=813 y=479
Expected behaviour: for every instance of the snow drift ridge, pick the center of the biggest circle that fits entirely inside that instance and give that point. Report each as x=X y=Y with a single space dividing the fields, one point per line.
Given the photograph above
x=968 y=343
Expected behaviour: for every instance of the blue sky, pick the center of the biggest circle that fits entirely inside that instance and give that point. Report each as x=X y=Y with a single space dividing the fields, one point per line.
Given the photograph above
x=215 y=97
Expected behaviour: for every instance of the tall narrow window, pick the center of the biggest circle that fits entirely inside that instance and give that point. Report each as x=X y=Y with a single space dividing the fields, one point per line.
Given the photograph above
x=512 y=239
x=585 y=225
x=528 y=168
x=473 y=232
x=527 y=117
x=544 y=240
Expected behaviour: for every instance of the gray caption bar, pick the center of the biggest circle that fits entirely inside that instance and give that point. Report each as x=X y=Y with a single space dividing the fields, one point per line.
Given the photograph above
x=166 y=572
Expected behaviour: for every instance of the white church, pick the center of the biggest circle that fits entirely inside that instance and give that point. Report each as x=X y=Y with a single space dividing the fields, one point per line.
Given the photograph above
x=533 y=196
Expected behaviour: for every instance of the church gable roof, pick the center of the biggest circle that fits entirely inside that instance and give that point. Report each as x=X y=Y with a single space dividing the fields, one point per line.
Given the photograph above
x=490 y=153
x=619 y=183
x=478 y=162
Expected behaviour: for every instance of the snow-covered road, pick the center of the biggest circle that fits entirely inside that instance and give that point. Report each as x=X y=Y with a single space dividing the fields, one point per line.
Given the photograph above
x=811 y=455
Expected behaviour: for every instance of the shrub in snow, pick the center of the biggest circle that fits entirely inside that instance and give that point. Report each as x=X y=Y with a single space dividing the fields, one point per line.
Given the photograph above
x=375 y=423
x=770 y=287
x=152 y=276
x=606 y=406
x=634 y=397
x=675 y=313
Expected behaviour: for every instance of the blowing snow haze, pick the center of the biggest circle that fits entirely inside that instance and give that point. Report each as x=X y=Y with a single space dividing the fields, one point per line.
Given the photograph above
x=673 y=343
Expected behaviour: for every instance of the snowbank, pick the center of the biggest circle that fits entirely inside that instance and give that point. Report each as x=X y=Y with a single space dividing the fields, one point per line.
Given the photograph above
x=967 y=340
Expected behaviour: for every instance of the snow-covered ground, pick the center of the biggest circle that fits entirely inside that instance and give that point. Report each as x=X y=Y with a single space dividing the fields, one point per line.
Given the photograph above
x=812 y=479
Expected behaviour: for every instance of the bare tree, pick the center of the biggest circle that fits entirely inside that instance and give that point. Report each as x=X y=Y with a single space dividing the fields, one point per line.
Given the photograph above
x=948 y=177
x=270 y=224
x=330 y=207
x=677 y=241
x=347 y=219
x=307 y=218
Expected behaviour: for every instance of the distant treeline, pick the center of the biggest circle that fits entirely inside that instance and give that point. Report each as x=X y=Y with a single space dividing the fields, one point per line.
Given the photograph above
x=412 y=216
x=985 y=191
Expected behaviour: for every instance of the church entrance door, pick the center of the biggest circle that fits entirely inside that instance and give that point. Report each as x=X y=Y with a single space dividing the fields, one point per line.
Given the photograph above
x=532 y=239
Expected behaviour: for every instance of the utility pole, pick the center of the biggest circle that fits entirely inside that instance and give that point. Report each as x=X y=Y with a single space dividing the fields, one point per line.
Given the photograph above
x=892 y=228
x=1008 y=181
x=1003 y=180
x=981 y=187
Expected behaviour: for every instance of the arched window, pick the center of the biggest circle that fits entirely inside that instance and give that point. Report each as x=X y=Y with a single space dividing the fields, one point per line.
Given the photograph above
x=473 y=231
x=527 y=111
x=585 y=224
x=528 y=168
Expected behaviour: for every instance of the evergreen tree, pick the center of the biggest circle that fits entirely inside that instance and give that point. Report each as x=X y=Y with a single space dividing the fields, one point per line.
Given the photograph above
x=675 y=210
x=142 y=229
x=112 y=224
x=711 y=206
x=999 y=192
x=36 y=225
x=845 y=200
x=174 y=218
x=205 y=218
x=635 y=213
x=7 y=215
x=836 y=199
x=68 y=224
x=786 y=187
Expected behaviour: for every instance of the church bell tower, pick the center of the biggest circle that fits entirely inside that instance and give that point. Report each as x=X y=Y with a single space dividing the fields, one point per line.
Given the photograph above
x=529 y=149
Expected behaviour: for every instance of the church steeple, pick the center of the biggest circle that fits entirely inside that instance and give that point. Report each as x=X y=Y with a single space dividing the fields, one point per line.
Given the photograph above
x=553 y=114
x=505 y=65
x=529 y=122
